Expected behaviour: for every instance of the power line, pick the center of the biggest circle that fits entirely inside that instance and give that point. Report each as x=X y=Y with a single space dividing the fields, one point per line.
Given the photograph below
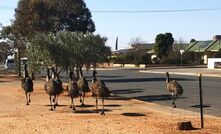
x=155 y=11
x=142 y=11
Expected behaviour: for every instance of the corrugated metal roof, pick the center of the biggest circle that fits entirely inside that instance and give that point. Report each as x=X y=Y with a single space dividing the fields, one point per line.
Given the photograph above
x=215 y=46
x=198 y=46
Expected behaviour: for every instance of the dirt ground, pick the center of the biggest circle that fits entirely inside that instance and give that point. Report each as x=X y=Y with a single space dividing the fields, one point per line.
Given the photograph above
x=123 y=116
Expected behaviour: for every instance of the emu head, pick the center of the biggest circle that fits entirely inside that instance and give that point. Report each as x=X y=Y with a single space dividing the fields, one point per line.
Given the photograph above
x=94 y=73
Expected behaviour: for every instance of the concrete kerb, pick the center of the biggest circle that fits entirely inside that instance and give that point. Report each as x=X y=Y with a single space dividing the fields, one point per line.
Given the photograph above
x=162 y=109
x=181 y=73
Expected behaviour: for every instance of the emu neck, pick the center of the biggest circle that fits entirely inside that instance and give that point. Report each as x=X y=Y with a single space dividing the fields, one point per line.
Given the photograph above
x=48 y=75
x=25 y=72
x=167 y=78
x=94 y=77
x=71 y=76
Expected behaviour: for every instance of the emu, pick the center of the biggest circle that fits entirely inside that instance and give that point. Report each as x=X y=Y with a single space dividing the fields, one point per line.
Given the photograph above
x=73 y=90
x=27 y=85
x=52 y=87
x=82 y=84
x=59 y=87
x=174 y=87
x=99 y=90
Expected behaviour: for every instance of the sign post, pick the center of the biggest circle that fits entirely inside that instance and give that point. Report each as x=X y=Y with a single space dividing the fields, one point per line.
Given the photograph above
x=181 y=53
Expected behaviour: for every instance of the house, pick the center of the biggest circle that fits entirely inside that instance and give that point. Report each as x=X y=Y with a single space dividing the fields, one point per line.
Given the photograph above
x=176 y=48
x=200 y=51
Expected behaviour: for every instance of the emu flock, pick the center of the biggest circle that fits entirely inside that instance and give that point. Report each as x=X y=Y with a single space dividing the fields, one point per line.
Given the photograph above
x=76 y=87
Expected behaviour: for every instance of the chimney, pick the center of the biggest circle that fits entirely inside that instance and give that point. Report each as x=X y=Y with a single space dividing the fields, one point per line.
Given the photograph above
x=217 y=37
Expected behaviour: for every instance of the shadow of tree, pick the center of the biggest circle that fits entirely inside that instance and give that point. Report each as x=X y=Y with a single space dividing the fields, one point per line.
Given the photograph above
x=133 y=114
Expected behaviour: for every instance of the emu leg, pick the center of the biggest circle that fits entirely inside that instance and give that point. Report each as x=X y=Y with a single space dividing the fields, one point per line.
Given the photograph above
x=26 y=94
x=82 y=104
x=50 y=103
x=29 y=98
x=74 y=109
x=174 y=99
x=102 y=113
x=80 y=97
x=71 y=106
x=96 y=105
x=54 y=102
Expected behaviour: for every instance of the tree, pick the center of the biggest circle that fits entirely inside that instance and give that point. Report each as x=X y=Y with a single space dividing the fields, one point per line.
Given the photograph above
x=163 y=44
x=12 y=37
x=33 y=16
x=4 y=50
x=192 y=40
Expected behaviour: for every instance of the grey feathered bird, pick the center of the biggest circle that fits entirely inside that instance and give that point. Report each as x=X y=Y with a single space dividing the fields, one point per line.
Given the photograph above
x=174 y=87
x=27 y=85
x=82 y=84
x=58 y=82
x=73 y=90
x=52 y=87
x=99 y=90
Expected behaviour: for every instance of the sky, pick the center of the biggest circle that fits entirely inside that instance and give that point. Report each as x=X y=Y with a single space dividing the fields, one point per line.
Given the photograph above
x=200 y=25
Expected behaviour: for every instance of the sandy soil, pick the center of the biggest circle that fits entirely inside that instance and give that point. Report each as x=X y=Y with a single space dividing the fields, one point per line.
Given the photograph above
x=123 y=116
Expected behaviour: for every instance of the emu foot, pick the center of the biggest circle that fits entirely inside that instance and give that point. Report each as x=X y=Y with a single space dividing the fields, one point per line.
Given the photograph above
x=51 y=109
x=174 y=106
x=102 y=113
x=27 y=103
x=74 y=110
x=70 y=106
x=54 y=106
x=29 y=100
x=82 y=105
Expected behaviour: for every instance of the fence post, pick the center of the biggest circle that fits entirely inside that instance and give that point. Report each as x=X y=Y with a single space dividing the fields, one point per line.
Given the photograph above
x=201 y=100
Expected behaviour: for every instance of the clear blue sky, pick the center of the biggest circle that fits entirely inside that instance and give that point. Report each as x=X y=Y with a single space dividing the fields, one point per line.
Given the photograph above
x=201 y=25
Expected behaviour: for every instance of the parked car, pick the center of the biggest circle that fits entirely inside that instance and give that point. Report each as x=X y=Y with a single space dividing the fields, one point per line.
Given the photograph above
x=10 y=63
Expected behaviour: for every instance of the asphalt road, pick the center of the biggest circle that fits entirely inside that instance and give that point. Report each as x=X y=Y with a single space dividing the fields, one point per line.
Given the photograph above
x=152 y=88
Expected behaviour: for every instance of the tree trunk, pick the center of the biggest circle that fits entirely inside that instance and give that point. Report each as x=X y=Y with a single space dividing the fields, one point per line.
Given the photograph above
x=19 y=62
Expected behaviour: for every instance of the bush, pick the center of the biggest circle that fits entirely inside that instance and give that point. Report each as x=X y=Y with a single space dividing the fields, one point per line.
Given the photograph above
x=132 y=58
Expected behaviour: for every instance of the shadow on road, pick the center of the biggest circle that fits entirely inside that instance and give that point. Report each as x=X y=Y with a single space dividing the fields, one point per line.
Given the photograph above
x=163 y=97
x=126 y=91
x=144 y=80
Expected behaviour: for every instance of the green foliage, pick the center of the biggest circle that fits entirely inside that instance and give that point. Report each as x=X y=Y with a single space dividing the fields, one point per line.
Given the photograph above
x=32 y=16
x=163 y=44
x=132 y=57
x=4 y=51
x=67 y=49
